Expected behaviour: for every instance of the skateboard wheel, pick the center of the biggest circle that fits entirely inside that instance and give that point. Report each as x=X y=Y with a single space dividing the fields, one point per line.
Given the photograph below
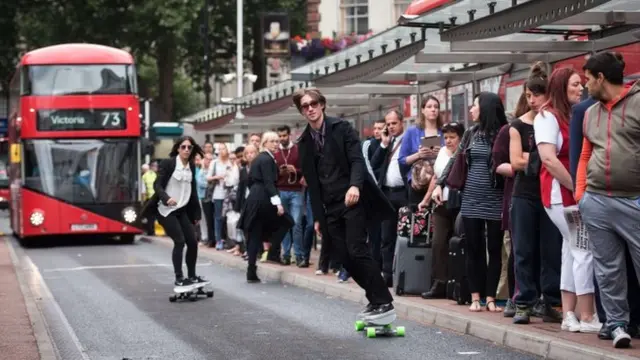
x=172 y=298
x=371 y=332
x=210 y=294
x=400 y=331
x=359 y=325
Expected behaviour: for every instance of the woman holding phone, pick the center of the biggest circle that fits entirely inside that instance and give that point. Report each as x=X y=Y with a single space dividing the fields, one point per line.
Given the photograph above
x=413 y=154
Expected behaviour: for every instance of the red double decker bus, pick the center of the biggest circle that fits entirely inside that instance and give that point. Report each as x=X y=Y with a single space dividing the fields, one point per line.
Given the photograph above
x=4 y=175
x=4 y=164
x=75 y=143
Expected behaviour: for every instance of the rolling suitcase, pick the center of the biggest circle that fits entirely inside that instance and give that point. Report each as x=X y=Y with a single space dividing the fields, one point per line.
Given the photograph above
x=413 y=257
x=457 y=285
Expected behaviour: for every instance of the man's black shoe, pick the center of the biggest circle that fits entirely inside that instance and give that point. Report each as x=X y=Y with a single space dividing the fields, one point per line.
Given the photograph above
x=383 y=314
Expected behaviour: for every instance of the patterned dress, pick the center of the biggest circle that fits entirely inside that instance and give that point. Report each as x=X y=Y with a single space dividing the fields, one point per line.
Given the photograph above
x=479 y=199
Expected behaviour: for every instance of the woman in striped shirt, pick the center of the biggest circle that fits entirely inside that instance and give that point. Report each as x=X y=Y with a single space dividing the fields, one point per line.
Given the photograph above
x=481 y=199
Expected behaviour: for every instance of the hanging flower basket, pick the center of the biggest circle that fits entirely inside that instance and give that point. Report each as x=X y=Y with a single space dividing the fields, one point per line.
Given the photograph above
x=316 y=48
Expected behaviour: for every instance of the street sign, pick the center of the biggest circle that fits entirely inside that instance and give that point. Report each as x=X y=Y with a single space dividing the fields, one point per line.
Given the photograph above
x=15 y=154
x=167 y=129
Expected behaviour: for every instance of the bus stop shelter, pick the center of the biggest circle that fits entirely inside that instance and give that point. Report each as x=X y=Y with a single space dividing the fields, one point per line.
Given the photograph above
x=456 y=43
x=273 y=106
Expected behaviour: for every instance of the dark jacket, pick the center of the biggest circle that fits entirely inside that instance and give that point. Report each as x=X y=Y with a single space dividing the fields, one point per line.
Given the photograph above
x=165 y=171
x=258 y=212
x=575 y=134
x=380 y=164
x=243 y=185
x=347 y=150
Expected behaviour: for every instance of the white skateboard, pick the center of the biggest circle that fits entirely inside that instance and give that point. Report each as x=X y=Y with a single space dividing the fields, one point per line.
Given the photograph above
x=190 y=292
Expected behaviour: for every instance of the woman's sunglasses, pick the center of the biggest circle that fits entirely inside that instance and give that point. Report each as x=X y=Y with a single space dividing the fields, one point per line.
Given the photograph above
x=186 y=147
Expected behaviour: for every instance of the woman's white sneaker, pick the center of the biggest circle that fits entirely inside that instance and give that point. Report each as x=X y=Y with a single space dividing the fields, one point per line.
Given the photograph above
x=591 y=327
x=570 y=322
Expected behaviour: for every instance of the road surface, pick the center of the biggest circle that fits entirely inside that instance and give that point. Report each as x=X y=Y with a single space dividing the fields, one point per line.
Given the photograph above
x=110 y=301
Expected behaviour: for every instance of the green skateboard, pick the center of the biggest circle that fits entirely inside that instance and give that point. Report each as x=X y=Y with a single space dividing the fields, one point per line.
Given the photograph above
x=373 y=330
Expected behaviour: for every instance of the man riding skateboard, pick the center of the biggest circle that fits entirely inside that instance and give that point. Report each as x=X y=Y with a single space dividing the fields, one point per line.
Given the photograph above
x=343 y=194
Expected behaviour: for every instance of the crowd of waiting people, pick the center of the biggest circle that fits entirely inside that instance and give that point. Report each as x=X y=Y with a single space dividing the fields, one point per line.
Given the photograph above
x=512 y=178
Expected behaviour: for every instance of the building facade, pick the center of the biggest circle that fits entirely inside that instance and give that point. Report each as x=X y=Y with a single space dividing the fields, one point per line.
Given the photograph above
x=353 y=16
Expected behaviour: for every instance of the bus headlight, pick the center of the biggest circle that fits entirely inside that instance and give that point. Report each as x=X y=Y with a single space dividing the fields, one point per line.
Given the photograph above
x=36 y=218
x=129 y=215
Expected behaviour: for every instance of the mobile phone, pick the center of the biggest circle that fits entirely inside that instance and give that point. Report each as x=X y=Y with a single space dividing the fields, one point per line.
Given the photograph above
x=385 y=131
x=430 y=142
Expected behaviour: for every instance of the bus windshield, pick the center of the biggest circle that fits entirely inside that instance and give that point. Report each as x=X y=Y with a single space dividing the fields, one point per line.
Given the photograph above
x=96 y=171
x=57 y=80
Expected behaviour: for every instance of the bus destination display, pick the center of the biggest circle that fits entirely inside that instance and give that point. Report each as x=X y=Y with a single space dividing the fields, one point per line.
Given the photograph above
x=81 y=119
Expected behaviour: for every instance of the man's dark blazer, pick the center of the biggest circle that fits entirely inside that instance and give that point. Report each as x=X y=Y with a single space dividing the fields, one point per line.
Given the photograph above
x=165 y=171
x=380 y=164
x=374 y=145
x=347 y=150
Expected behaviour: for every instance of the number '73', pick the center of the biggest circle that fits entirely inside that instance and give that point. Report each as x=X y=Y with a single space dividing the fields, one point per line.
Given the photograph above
x=110 y=118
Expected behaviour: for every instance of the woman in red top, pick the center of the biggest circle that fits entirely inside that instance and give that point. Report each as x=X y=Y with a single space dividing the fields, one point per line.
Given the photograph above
x=551 y=127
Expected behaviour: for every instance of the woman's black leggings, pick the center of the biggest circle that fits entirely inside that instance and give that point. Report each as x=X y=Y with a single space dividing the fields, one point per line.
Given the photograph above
x=180 y=229
x=483 y=278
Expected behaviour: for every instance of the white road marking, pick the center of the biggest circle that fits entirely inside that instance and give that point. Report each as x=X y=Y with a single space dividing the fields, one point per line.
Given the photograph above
x=39 y=289
x=122 y=266
x=468 y=352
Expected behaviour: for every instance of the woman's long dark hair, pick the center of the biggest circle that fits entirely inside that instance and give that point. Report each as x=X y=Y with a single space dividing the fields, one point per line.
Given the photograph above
x=492 y=114
x=196 y=150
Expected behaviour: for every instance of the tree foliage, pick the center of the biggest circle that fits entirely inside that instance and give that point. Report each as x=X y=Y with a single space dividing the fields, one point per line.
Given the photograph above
x=165 y=34
x=8 y=43
x=222 y=35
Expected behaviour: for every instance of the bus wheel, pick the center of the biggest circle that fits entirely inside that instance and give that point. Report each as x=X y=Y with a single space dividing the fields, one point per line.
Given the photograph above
x=25 y=242
x=127 y=239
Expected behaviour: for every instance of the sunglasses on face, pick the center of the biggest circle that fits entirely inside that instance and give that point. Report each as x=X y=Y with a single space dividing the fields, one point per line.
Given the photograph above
x=186 y=147
x=313 y=104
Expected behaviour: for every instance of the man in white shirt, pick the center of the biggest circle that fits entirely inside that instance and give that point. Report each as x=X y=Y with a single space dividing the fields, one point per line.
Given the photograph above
x=392 y=182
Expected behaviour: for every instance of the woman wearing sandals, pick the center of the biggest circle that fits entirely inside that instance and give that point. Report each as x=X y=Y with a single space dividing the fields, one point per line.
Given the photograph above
x=482 y=193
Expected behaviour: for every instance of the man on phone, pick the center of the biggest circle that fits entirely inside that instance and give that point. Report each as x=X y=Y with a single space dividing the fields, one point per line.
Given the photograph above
x=392 y=181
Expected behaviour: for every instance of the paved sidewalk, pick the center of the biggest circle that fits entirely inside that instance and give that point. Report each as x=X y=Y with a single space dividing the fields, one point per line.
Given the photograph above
x=17 y=339
x=545 y=340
